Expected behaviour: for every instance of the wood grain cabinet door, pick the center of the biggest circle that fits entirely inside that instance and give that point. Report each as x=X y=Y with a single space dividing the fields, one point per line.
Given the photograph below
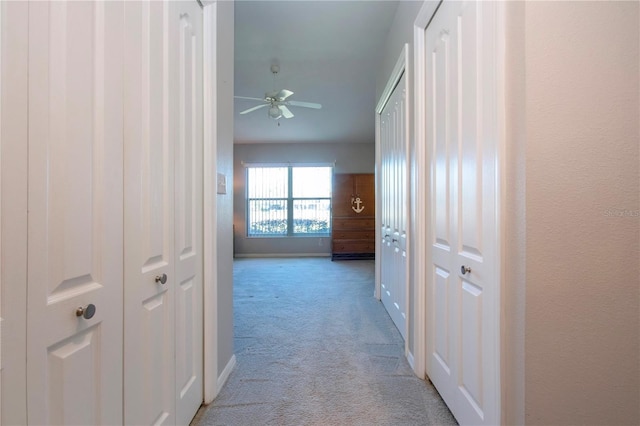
x=353 y=216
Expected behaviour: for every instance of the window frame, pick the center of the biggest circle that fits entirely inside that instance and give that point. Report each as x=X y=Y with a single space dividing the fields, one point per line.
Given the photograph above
x=289 y=200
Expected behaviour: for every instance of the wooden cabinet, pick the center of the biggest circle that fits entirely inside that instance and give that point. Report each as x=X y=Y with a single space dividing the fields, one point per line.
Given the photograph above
x=353 y=216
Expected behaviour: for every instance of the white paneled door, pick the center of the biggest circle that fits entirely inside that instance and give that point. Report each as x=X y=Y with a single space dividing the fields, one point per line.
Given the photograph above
x=163 y=205
x=188 y=146
x=394 y=199
x=74 y=308
x=149 y=334
x=462 y=133
x=114 y=130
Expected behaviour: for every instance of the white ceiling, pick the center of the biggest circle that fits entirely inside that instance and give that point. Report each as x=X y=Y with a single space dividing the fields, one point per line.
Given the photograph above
x=328 y=52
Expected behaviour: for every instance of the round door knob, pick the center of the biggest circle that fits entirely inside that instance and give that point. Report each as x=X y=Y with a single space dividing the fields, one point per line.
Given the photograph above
x=162 y=279
x=86 y=313
x=464 y=269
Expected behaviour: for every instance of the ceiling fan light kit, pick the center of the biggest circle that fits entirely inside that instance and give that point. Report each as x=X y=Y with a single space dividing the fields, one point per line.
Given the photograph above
x=274 y=112
x=277 y=101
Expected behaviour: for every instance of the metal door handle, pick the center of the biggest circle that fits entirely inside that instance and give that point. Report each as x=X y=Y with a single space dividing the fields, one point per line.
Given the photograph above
x=162 y=279
x=464 y=269
x=86 y=313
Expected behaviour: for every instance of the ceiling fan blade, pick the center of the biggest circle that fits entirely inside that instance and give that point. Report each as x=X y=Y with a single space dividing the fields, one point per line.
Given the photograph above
x=253 y=109
x=304 y=104
x=283 y=94
x=251 y=99
x=286 y=113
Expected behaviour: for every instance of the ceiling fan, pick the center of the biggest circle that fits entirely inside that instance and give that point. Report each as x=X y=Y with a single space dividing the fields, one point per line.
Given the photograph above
x=277 y=101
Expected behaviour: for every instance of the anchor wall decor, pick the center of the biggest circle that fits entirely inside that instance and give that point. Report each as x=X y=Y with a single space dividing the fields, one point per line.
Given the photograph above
x=358 y=205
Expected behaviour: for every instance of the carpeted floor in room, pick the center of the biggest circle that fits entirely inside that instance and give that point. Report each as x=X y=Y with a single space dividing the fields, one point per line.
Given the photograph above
x=314 y=347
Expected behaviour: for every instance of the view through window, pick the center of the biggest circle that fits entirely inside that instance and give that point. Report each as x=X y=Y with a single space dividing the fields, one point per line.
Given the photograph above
x=288 y=201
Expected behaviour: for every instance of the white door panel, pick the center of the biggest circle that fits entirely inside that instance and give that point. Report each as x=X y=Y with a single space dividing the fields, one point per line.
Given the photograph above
x=393 y=148
x=114 y=129
x=188 y=214
x=461 y=133
x=442 y=362
x=149 y=238
x=14 y=77
x=163 y=202
x=74 y=373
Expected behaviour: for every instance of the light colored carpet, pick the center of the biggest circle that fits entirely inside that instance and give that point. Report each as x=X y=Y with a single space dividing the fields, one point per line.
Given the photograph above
x=314 y=347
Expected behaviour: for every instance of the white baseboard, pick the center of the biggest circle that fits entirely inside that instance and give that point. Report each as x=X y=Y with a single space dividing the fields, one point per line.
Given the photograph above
x=222 y=379
x=266 y=255
x=411 y=361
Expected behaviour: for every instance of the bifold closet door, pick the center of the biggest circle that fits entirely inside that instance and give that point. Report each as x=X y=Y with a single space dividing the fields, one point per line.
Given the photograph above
x=163 y=205
x=188 y=245
x=394 y=186
x=75 y=249
x=462 y=135
x=149 y=333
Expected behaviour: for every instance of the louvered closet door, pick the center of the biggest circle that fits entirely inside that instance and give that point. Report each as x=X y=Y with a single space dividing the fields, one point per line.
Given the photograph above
x=74 y=363
x=461 y=122
x=394 y=186
x=163 y=212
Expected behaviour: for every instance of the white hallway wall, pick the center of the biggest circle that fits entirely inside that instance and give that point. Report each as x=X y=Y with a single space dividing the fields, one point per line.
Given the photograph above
x=348 y=158
x=571 y=157
x=224 y=208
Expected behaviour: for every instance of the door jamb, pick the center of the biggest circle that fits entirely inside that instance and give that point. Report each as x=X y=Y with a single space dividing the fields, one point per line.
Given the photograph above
x=210 y=260
x=422 y=182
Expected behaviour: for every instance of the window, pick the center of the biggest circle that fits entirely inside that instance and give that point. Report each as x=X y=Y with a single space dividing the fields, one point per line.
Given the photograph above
x=288 y=201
